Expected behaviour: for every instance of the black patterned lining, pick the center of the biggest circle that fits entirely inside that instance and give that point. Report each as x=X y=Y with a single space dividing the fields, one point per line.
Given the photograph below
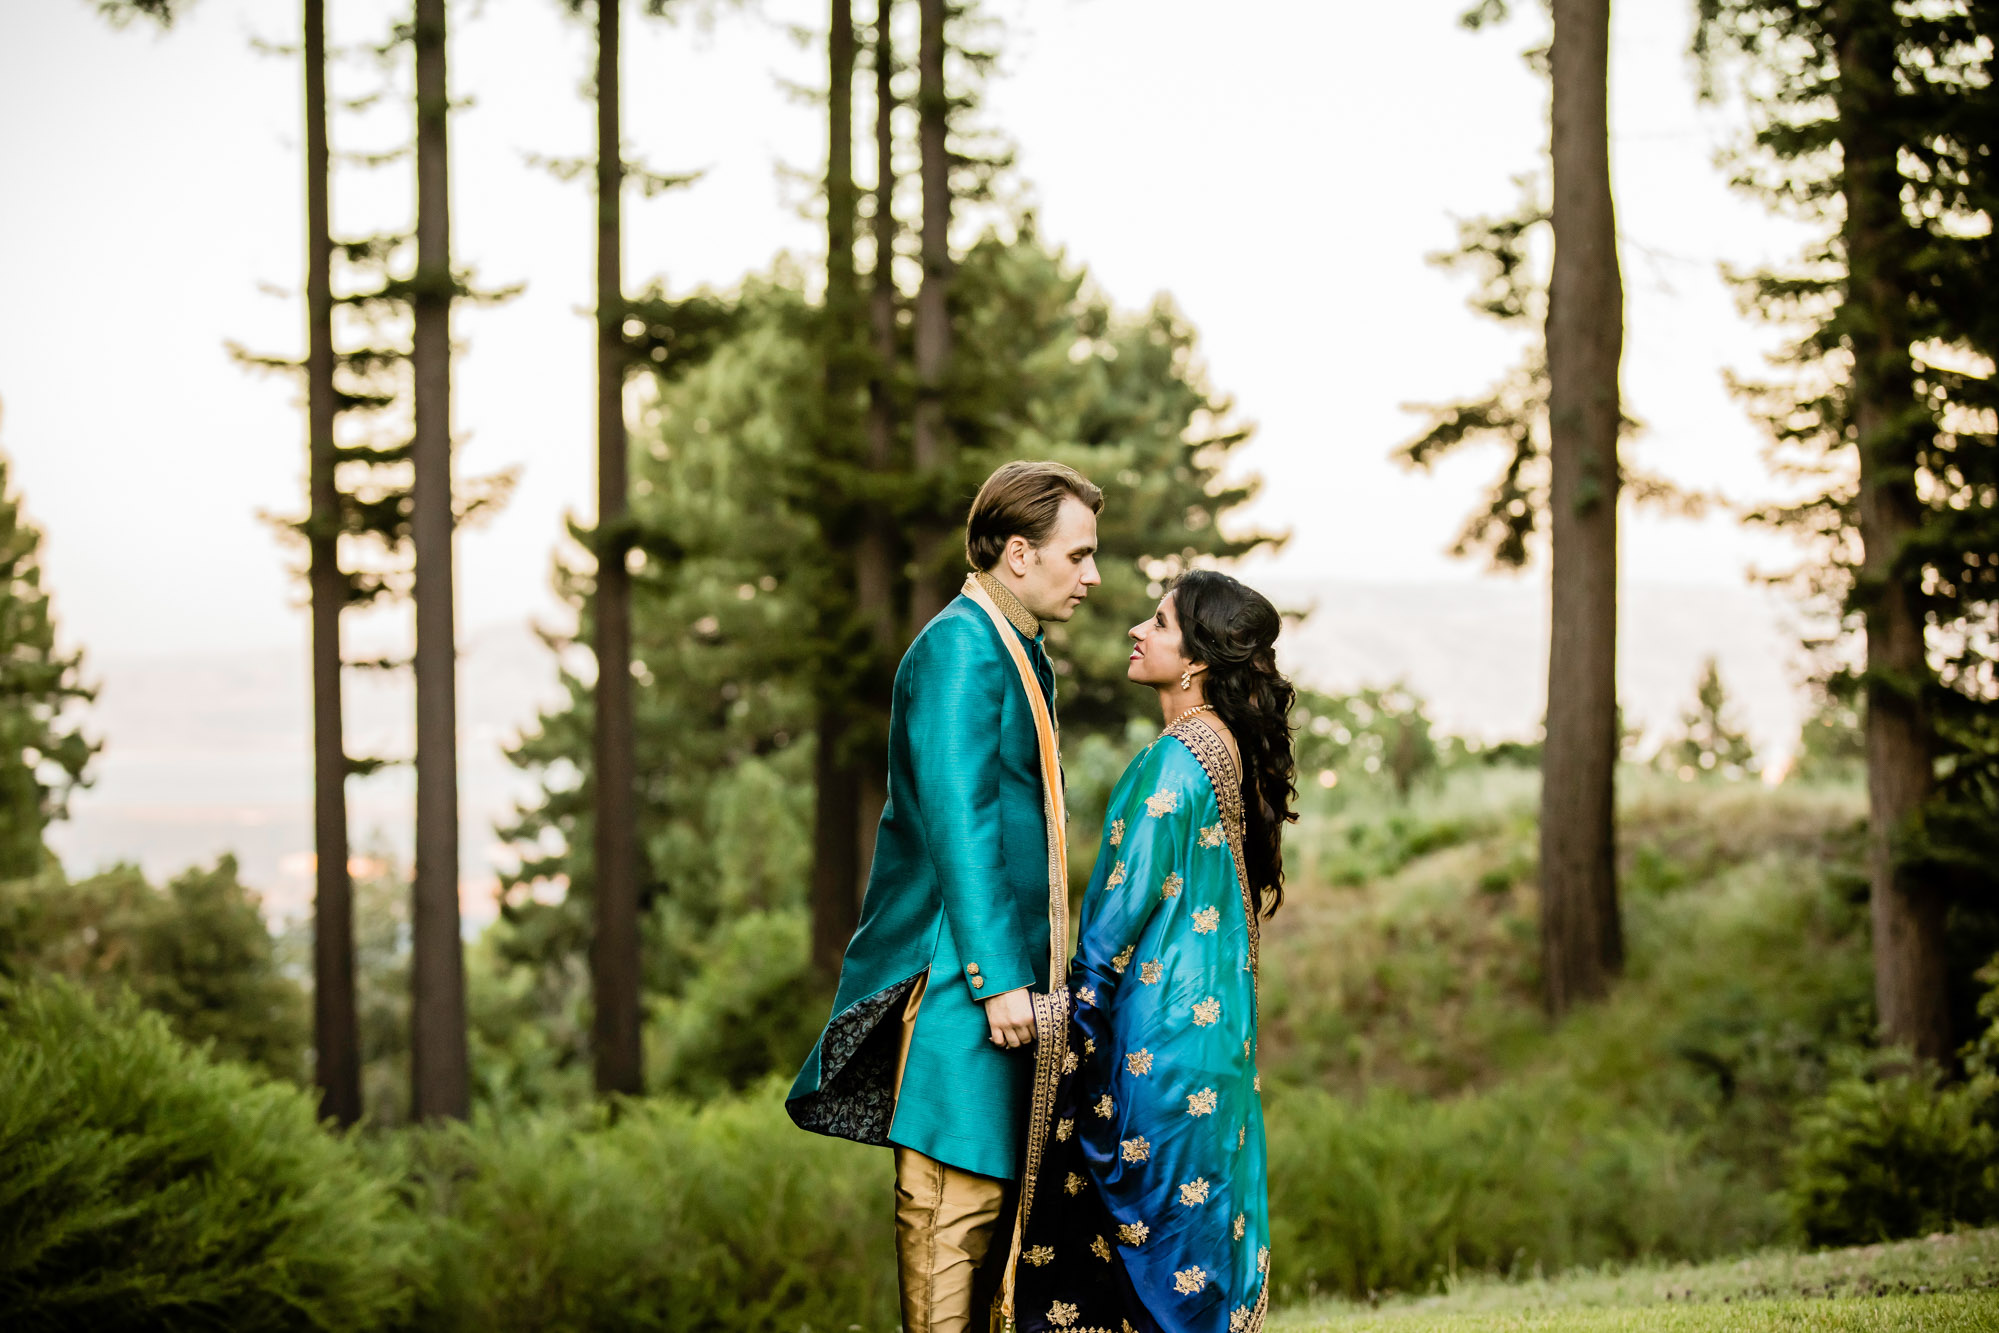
x=856 y=1097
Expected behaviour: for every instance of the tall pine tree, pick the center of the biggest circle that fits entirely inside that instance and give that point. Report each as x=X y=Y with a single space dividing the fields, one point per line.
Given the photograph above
x=1559 y=414
x=1881 y=122
x=614 y=959
x=836 y=869
x=335 y=1030
x=932 y=454
x=440 y=1075
x=44 y=755
x=1582 y=942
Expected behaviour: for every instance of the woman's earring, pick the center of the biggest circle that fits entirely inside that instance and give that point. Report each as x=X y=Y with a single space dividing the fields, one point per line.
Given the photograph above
x=1187 y=679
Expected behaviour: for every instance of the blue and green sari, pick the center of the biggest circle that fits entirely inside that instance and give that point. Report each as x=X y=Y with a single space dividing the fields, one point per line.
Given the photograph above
x=1146 y=1210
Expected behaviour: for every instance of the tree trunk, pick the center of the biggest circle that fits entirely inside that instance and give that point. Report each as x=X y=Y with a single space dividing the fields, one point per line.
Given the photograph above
x=875 y=563
x=1582 y=944
x=929 y=441
x=439 y=1077
x=1908 y=916
x=614 y=960
x=335 y=1032
x=835 y=845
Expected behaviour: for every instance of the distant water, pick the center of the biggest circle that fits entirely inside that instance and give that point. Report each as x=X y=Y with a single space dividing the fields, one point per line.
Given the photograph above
x=207 y=754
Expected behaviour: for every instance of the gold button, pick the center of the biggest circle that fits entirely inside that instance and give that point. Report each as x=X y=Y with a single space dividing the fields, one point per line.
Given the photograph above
x=978 y=983
x=973 y=968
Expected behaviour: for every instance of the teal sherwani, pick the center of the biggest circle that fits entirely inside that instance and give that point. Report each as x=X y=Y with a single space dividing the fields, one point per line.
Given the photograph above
x=959 y=889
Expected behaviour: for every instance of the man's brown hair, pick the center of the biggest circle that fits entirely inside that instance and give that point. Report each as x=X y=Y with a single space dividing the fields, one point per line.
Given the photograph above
x=1021 y=499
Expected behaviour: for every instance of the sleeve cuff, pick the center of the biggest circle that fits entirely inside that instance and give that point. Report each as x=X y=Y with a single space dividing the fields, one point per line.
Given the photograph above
x=996 y=975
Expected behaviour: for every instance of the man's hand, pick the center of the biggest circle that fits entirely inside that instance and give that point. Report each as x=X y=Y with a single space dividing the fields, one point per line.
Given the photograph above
x=1011 y=1018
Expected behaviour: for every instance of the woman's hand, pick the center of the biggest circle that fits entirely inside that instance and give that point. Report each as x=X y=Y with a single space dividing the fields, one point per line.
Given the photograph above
x=1011 y=1018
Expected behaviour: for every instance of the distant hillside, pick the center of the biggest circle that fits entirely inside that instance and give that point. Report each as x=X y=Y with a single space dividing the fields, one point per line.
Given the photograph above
x=206 y=754
x=1478 y=651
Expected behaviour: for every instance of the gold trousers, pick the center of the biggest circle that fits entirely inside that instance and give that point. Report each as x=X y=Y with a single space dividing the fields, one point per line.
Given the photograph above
x=945 y=1222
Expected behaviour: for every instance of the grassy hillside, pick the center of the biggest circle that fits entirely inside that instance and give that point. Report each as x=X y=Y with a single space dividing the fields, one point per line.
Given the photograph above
x=1427 y=1118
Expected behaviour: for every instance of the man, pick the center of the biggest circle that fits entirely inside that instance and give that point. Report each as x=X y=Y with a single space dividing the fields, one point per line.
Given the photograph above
x=927 y=1047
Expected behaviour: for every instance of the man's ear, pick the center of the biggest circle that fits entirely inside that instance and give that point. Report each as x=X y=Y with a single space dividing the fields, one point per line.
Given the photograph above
x=1018 y=549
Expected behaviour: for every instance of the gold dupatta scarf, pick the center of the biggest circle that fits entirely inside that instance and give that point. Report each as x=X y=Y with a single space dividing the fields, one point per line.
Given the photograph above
x=1051 y=1011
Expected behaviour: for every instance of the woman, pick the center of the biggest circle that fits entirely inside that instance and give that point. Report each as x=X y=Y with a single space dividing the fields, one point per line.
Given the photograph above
x=1143 y=1210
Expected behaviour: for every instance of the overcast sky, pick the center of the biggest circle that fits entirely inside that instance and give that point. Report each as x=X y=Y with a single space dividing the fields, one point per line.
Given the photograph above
x=1281 y=169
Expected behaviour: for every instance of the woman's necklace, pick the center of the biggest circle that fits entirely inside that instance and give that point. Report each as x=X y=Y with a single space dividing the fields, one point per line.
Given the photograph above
x=1197 y=708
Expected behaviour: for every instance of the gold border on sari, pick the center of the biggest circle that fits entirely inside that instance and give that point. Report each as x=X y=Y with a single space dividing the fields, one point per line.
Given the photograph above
x=1212 y=752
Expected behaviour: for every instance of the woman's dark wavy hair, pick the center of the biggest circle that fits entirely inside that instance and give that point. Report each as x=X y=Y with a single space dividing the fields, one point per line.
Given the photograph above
x=1233 y=628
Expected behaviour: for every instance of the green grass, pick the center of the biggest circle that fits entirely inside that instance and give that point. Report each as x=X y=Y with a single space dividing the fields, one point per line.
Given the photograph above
x=1944 y=1282
x=1893 y=1314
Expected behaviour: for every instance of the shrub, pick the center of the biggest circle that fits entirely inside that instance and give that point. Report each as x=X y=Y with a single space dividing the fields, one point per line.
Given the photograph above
x=657 y=1216
x=1394 y=1192
x=1890 y=1155
x=197 y=953
x=144 y=1187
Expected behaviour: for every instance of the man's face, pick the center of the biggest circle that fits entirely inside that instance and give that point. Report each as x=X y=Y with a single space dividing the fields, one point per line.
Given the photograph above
x=1053 y=579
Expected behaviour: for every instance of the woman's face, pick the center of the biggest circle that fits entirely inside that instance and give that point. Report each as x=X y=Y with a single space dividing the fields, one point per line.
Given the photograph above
x=1156 y=655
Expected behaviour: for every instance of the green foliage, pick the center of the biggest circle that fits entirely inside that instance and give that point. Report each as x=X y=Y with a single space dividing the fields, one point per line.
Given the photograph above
x=1709 y=745
x=1368 y=734
x=1895 y=1150
x=147 y=1189
x=522 y=1027
x=197 y=953
x=1832 y=744
x=654 y=1215
x=43 y=752
x=1890 y=1156
x=1392 y=1192
x=1893 y=1154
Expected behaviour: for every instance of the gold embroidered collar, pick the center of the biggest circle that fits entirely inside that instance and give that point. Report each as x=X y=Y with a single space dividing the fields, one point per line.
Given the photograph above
x=1010 y=606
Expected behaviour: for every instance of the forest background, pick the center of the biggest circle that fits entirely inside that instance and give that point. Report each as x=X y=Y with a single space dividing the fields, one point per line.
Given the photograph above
x=1496 y=1039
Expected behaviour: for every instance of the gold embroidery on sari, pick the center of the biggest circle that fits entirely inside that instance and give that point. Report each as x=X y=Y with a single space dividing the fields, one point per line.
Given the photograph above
x=1150 y=972
x=1117 y=832
x=1241 y=1224
x=1207 y=920
x=1062 y=1314
x=1208 y=1012
x=1135 y=1150
x=1122 y=959
x=1116 y=876
x=1105 y=1108
x=1208 y=747
x=1194 y=1191
x=1162 y=802
x=1102 y=1249
x=1139 y=1061
x=1133 y=1233
x=1189 y=1281
x=1171 y=888
x=1201 y=1103
x=1040 y=1255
